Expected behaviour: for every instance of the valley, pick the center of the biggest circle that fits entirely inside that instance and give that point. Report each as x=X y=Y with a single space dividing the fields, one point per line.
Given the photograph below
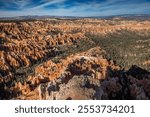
x=85 y=58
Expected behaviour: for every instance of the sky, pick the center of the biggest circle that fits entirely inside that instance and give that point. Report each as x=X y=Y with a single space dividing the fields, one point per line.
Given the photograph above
x=83 y=8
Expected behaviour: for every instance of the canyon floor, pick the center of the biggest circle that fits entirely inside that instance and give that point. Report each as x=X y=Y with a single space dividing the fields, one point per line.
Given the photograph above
x=75 y=59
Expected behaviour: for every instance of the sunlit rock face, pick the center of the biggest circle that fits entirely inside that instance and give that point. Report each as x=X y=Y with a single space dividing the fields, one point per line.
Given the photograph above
x=56 y=59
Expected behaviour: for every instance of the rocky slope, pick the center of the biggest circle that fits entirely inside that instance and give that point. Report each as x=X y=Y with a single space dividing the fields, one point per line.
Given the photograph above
x=56 y=59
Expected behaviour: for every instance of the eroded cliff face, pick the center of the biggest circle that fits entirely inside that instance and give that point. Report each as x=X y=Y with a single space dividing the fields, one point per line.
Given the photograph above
x=75 y=77
x=52 y=59
x=82 y=76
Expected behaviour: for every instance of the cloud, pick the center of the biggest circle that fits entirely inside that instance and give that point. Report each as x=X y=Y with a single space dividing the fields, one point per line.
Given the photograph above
x=21 y=3
x=14 y=4
x=47 y=3
x=74 y=8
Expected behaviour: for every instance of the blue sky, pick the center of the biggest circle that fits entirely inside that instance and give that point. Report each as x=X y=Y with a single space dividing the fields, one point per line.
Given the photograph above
x=9 y=8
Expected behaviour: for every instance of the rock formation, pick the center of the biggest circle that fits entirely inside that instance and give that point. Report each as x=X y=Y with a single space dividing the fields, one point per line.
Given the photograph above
x=34 y=64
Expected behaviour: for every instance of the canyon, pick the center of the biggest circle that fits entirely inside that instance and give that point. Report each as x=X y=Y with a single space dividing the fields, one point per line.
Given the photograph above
x=75 y=59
